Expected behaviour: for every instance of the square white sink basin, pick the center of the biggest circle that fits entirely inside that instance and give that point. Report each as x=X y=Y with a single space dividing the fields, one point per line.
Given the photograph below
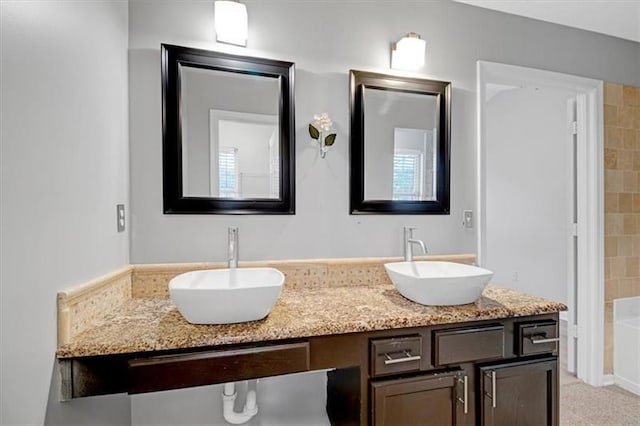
x=438 y=283
x=225 y=296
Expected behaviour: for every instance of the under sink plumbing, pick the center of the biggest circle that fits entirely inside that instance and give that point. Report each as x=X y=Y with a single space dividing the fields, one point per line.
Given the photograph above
x=250 y=409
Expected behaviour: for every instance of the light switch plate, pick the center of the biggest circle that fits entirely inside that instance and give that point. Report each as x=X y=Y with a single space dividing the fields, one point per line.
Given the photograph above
x=120 y=217
x=467 y=219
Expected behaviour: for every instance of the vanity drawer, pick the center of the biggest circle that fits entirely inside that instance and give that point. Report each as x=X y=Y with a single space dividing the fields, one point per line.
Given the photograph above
x=537 y=337
x=210 y=367
x=396 y=355
x=455 y=346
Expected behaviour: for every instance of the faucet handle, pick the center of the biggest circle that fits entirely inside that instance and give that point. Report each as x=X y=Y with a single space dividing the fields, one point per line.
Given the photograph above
x=408 y=231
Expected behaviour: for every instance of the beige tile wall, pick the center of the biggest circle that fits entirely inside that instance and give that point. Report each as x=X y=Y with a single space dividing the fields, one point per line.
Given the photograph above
x=622 y=201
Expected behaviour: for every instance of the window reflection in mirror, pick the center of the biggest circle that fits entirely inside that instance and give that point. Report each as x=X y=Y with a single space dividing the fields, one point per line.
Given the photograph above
x=414 y=164
x=244 y=155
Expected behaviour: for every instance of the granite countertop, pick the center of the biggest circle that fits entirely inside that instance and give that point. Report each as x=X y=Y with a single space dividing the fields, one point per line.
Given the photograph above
x=154 y=323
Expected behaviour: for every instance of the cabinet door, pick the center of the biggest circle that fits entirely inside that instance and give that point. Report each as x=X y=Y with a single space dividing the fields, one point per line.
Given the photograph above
x=424 y=400
x=520 y=393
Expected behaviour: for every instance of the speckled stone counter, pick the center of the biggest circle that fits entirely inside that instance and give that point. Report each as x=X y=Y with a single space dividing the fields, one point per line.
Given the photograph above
x=154 y=323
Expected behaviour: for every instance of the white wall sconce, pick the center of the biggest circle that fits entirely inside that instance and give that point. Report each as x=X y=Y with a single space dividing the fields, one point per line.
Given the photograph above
x=231 y=22
x=408 y=53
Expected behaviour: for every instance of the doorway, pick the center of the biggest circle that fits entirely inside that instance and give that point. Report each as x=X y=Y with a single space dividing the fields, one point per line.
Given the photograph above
x=540 y=208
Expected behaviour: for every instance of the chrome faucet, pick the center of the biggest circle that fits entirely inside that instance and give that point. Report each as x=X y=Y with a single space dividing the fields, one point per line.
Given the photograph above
x=232 y=247
x=408 y=241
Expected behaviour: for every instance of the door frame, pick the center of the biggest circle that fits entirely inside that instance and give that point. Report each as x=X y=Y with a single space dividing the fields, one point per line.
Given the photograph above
x=590 y=200
x=572 y=256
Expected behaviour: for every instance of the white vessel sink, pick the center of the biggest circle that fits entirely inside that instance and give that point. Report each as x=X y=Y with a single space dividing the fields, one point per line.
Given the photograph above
x=225 y=296
x=438 y=283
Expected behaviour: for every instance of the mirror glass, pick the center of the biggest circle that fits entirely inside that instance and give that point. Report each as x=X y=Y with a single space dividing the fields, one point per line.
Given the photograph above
x=399 y=144
x=400 y=149
x=228 y=143
x=230 y=137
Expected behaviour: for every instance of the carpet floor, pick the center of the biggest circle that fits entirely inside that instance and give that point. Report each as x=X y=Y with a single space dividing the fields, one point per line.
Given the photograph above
x=582 y=404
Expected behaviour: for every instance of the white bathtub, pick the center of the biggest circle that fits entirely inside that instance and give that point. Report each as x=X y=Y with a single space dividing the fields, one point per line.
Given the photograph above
x=626 y=343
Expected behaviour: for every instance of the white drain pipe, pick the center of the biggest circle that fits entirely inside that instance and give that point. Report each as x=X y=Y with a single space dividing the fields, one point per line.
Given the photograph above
x=229 y=395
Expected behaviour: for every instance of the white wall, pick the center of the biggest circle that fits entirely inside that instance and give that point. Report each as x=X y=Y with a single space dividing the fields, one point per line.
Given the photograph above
x=325 y=39
x=64 y=168
x=529 y=182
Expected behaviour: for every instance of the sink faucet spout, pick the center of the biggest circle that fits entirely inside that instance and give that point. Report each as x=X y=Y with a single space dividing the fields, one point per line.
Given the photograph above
x=232 y=258
x=408 y=241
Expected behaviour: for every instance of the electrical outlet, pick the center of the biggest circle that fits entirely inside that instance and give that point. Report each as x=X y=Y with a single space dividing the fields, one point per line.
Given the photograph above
x=120 y=217
x=467 y=219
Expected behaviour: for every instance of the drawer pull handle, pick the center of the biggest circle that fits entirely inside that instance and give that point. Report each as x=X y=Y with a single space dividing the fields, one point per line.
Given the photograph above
x=465 y=397
x=538 y=340
x=493 y=394
x=407 y=358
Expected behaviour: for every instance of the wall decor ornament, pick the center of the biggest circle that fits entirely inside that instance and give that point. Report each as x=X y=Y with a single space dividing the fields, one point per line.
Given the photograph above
x=320 y=126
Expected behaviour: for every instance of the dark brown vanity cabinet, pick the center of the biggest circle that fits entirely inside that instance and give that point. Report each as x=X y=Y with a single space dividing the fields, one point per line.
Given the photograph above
x=434 y=399
x=523 y=393
x=493 y=374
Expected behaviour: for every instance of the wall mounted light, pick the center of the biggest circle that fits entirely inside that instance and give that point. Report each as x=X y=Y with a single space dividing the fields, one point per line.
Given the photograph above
x=408 y=53
x=231 y=22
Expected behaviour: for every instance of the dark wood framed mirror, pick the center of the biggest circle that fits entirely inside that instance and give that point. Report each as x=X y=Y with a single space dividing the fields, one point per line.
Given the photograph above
x=228 y=133
x=400 y=144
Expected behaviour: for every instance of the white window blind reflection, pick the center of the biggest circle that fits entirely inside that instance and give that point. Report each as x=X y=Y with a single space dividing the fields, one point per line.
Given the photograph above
x=407 y=175
x=228 y=172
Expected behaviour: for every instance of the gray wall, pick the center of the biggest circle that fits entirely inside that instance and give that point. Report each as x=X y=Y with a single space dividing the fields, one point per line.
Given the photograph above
x=325 y=39
x=64 y=168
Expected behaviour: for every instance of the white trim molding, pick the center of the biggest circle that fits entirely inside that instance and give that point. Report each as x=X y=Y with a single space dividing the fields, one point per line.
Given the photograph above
x=608 y=380
x=590 y=299
x=590 y=199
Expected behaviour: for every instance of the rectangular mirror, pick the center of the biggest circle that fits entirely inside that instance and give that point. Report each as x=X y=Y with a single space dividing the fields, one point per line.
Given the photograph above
x=228 y=133
x=399 y=144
